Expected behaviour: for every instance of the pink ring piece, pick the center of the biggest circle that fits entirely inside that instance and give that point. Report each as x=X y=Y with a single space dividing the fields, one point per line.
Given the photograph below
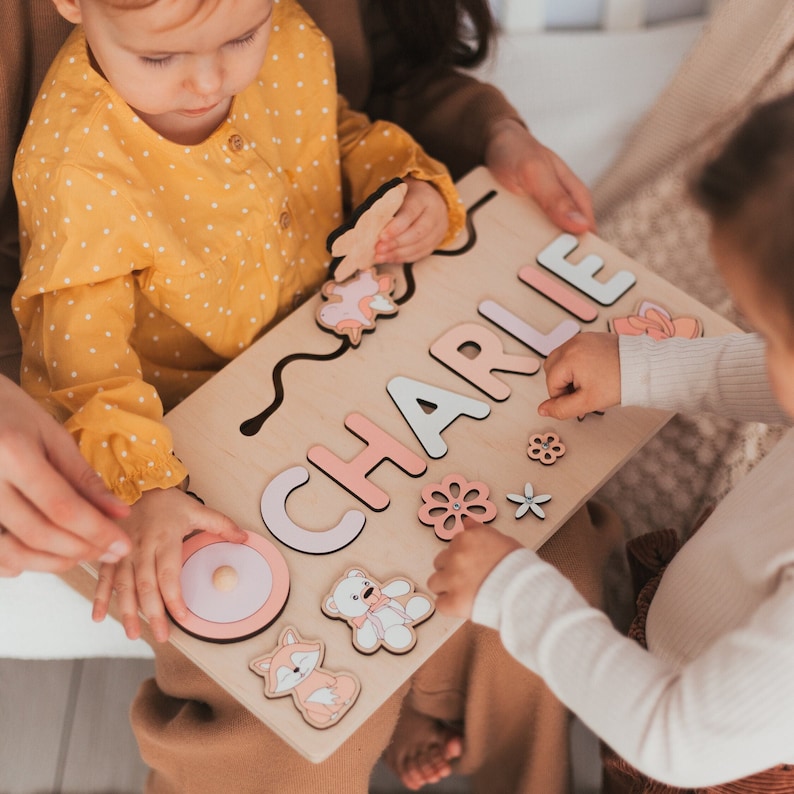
x=258 y=592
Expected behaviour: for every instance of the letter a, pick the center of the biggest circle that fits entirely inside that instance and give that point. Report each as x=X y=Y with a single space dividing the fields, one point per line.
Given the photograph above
x=411 y=397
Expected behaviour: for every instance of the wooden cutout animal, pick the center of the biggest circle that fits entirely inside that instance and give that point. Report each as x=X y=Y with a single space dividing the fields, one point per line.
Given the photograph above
x=378 y=614
x=352 y=306
x=293 y=668
x=352 y=244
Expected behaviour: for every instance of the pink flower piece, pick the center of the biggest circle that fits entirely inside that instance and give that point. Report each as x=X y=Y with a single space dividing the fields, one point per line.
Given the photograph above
x=447 y=503
x=545 y=447
x=655 y=321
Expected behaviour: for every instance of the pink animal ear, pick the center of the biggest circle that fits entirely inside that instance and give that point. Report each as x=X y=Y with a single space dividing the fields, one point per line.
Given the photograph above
x=353 y=243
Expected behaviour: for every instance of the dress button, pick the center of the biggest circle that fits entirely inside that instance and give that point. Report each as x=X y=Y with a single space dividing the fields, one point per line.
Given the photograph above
x=236 y=142
x=284 y=220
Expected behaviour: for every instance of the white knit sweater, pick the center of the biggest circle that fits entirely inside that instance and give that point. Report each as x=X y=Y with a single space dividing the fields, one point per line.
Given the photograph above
x=713 y=701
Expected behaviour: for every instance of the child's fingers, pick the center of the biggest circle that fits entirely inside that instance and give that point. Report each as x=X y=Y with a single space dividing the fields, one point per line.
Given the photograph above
x=438 y=582
x=450 y=600
x=103 y=592
x=405 y=253
x=559 y=374
x=566 y=406
x=169 y=568
x=417 y=228
x=147 y=584
x=408 y=213
x=221 y=525
x=415 y=243
x=404 y=234
x=125 y=587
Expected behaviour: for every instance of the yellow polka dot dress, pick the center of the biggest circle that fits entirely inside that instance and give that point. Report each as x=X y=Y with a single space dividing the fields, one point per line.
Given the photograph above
x=147 y=265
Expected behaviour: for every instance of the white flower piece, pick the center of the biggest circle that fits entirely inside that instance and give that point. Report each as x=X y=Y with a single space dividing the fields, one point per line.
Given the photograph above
x=528 y=501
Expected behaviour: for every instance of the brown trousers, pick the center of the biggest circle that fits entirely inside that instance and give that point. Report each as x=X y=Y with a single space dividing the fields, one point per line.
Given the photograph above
x=198 y=739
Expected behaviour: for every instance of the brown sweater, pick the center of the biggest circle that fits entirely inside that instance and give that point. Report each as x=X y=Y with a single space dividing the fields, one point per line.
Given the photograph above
x=31 y=32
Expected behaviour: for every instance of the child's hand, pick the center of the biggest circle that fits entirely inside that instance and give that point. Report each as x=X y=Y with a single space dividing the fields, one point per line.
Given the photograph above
x=464 y=565
x=148 y=578
x=582 y=375
x=417 y=228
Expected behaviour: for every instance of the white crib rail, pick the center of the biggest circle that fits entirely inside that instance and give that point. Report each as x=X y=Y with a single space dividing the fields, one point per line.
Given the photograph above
x=537 y=15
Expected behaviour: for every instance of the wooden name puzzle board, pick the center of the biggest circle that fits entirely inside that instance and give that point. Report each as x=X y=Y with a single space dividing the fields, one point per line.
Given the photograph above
x=342 y=441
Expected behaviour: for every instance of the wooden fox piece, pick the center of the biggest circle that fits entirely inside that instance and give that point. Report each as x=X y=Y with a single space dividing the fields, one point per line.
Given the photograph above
x=293 y=668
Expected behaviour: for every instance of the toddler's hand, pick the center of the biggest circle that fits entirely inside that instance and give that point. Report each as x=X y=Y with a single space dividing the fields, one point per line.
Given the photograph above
x=582 y=375
x=417 y=228
x=148 y=578
x=465 y=564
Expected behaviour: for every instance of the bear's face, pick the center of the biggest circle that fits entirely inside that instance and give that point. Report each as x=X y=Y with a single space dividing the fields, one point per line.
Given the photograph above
x=354 y=595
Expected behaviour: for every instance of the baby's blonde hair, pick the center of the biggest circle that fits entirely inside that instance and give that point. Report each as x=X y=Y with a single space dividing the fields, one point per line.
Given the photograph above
x=191 y=8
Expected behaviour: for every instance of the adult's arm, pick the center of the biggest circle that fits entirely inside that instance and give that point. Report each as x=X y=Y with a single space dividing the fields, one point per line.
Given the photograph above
x=456 y=118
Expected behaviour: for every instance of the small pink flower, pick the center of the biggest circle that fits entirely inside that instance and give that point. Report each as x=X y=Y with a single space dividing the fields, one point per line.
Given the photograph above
x=446 y=504
x=545 y=447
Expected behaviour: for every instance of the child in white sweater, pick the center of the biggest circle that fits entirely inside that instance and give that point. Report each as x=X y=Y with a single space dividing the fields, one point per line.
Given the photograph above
x=711 y=700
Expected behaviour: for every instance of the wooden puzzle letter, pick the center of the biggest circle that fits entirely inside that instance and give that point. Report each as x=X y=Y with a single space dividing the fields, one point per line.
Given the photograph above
x=554 y=291
x=352 y=475
x=490 y=355
x=413 y=396
x=274 y=514
x=524 y=332
x=552 y=257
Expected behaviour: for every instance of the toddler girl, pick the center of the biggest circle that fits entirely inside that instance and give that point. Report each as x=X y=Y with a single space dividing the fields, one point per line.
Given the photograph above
x=711 y=701
x=181 y=170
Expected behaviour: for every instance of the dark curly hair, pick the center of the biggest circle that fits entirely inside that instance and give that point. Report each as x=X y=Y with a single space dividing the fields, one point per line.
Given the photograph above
x=436 y=33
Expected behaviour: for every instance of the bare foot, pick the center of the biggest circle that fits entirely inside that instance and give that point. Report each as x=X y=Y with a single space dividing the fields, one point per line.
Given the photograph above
x=422 y=749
